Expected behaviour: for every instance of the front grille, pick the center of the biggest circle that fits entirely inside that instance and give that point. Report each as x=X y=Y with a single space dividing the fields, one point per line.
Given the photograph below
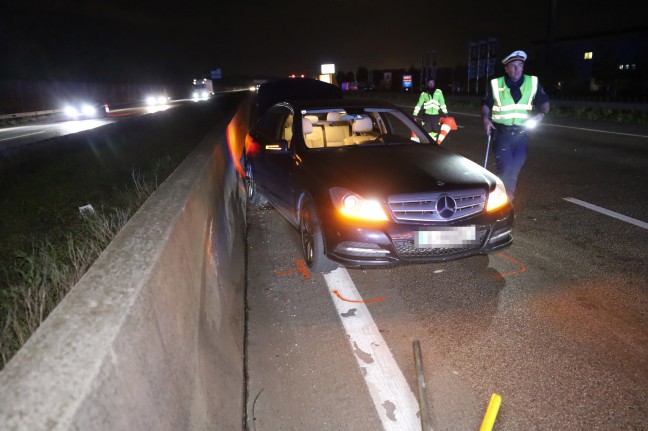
x=406 y=248
x=422 y=207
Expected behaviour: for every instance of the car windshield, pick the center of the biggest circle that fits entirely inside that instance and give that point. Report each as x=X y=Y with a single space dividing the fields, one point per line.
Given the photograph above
x=360 y=127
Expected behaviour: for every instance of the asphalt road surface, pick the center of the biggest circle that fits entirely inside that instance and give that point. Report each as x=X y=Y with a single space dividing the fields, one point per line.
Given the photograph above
x=556 y=324
x=58 y=125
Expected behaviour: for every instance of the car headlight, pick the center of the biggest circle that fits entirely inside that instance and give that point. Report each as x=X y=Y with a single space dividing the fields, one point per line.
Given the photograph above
x=162 y=100
x=353 y=205
x=497 y=198
x=71 y=111
x=88 y=110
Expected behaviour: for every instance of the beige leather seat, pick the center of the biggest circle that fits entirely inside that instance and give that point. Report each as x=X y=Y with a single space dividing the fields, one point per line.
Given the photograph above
x=313 y=136
x=313 y=118
x=336 y=131
x=362 y=131
x=333 y=116
x=287 y=131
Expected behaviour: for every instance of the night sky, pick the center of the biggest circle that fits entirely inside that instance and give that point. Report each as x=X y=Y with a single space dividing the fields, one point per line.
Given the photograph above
x=135 y=41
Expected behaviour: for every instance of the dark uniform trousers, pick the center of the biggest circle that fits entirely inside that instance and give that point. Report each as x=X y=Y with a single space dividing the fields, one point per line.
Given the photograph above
x=431 y=123
x=510 y=149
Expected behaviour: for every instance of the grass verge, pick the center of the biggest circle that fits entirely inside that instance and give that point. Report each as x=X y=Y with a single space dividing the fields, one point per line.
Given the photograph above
x=47 y=245
x=39 y=279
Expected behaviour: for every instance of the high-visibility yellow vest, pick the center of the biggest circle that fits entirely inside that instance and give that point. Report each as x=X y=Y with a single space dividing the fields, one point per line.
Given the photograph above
x=431 y=103
x=505 y=110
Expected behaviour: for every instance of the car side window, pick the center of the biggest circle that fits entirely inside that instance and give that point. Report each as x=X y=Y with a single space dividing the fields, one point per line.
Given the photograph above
x=272 y=123
x=396 y=126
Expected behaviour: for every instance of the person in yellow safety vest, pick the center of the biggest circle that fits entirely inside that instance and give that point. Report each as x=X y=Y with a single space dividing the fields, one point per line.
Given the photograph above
x=434 y=105
x=508 y=104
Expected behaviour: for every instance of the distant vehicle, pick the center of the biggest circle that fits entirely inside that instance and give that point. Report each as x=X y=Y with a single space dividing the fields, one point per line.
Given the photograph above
x=157 y=99
x=366 y=186
x=357 y=86
x=202 y=89
x=77 y=110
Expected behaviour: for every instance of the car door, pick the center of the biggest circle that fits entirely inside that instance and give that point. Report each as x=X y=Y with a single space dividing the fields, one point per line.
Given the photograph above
x=275 y=163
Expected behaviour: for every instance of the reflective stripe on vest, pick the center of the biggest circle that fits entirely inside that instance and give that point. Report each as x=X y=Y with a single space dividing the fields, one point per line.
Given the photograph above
x=432 y=104
x=505 y=110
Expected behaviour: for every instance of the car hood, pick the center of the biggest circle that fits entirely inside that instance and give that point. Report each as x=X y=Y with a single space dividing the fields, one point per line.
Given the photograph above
x=381 y=171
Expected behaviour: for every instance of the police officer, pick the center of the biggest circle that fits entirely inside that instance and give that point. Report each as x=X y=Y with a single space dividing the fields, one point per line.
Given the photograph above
x=433 y=103
x=507 y=106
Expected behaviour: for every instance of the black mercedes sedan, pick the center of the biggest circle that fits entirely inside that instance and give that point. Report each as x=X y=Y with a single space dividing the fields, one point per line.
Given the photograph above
x=366 y=186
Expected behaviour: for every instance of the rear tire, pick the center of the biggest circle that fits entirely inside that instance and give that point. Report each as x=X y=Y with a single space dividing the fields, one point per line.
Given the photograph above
x=312 y=240
x=253 y=194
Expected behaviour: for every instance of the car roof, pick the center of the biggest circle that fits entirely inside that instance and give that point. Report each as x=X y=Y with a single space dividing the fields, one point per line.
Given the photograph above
x=285 y=89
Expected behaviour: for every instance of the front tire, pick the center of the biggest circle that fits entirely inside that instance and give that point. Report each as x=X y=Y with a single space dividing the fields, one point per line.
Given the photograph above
x=313 y=241
x=253 y=194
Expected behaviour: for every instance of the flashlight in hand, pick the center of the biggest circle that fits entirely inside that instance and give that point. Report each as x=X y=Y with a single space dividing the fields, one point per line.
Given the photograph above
x=533 y=122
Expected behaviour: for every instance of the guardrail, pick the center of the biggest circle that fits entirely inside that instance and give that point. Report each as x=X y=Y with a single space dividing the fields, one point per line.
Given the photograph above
x=29 y=114
x=152 y=336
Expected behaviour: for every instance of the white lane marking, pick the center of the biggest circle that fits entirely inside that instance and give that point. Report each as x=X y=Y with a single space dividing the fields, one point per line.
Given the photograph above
x=574 y=128
x=598 y=131
x=22 y=136
x=395 y=403
x=608 y=212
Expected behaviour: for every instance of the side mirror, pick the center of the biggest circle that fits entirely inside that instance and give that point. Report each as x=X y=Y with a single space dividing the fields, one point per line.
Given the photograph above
x=280 y=145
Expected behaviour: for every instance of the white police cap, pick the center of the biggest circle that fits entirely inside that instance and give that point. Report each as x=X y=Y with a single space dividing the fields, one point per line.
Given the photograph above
x=515 y=55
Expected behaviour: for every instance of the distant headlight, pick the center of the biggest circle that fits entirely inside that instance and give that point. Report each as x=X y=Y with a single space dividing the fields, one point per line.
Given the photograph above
x=353 y=205
x=162 y=100
x=88 y=110
x=151 y=100
x=497 y=198
x=71 y=111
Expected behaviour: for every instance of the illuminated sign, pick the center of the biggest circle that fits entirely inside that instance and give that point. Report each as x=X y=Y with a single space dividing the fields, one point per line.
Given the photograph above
x=328 y=68
x=407 y=81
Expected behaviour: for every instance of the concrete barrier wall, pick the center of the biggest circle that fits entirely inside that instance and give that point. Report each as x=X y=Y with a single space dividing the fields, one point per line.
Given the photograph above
x=152 y=337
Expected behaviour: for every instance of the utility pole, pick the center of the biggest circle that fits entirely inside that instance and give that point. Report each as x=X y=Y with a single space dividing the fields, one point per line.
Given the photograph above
x=551 y=25
x=428 y=67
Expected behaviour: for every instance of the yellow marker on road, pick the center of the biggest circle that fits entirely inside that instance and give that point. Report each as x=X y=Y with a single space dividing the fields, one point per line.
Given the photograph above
x=491 y=413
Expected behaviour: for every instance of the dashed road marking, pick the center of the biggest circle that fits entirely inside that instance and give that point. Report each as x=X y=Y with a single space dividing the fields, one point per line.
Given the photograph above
x=608 y=212
x=21 y=136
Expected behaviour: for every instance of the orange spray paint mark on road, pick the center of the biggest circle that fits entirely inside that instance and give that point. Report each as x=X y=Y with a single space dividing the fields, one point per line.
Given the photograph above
x=357 y=300
x=301 y=269
x=522 y=267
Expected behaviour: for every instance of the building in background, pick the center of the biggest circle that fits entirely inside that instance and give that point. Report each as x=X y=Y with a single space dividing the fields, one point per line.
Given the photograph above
x=610 y=65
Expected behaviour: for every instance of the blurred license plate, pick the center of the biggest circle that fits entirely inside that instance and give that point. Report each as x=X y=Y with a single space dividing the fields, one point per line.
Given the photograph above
x=450 y=236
